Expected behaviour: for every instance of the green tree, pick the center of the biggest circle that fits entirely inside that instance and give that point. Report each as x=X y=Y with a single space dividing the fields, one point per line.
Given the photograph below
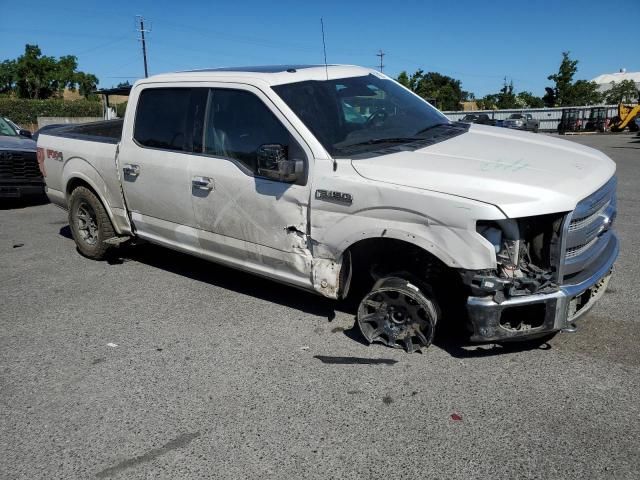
x=506 y=98
x=529 y=100
x=445 y=91
x=566 y=93
x=7 y=76
x=65 y=73
x=34 y=74
x=488 y=102
x=37 y=76
x=564 y=80
x=403 y=79
x=549 y=98
x=584 y=92
x=87 y=83
x=622 y=92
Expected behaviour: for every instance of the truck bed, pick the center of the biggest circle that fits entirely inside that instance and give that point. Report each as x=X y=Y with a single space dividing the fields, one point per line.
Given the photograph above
x=107 y=131
x=86 y=151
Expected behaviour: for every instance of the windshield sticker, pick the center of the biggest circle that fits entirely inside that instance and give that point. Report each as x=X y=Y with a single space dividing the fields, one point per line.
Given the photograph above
x=505 y=166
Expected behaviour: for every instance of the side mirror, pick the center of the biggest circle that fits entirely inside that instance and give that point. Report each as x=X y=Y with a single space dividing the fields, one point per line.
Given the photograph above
x=25 y=133
x=273 y=163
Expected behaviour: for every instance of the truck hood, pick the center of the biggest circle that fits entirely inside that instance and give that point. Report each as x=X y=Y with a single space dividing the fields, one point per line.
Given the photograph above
x=521 y=173
x=17 y=143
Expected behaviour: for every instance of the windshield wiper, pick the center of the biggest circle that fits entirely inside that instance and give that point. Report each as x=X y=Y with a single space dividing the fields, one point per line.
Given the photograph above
x=431 y=127
x=376 y=141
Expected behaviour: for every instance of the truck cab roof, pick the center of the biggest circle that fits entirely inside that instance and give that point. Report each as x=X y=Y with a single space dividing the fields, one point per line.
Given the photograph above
x=269 y=74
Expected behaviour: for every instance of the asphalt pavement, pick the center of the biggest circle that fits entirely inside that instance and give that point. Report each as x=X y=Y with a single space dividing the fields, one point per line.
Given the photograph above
x=159 y=365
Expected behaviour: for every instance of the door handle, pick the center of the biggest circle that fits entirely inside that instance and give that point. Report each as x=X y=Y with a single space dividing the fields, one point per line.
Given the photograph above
x=202 y=183
x=131 y=170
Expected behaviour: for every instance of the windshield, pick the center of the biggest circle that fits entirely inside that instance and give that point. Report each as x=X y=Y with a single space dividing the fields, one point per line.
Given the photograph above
x=360 y=112
x=6 y=129
x=516 y=116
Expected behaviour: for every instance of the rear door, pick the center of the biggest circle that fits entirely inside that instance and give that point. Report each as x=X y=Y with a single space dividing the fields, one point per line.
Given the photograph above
x=254 y=220
x=154 y=162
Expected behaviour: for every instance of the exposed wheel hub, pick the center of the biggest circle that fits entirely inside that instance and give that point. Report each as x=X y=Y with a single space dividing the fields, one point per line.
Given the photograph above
x=397 y=317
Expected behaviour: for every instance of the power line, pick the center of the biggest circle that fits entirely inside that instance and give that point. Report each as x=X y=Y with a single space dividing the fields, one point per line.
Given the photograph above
x=381 y=54
x=142 y=31
x=104 y=45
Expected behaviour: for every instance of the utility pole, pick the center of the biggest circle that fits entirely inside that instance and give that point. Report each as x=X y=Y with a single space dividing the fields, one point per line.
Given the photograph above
x=381 y=54
x=141 y=29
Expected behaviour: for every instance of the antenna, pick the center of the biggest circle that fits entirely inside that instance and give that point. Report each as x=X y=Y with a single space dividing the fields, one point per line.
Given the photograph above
x=381 y=54
x=326 y=71
x=324 y=47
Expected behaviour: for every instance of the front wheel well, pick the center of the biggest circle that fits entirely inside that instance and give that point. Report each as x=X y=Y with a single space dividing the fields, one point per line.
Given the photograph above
x=375 y=258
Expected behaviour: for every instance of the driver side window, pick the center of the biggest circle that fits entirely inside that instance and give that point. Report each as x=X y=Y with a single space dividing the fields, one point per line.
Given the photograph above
x=238 y=123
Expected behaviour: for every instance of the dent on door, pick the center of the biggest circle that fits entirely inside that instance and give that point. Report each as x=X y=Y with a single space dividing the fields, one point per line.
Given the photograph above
x=260 y=221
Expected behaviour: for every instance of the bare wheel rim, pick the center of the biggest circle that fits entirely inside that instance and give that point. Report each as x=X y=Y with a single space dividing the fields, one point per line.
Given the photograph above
x=397 y=318
x=87 y=223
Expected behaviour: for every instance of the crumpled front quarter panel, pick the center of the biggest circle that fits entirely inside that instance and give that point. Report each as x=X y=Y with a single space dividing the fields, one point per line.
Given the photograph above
x=444 y=225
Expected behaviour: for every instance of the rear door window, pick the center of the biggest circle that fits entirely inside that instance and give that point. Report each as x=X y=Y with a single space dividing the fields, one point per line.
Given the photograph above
x=162 y=119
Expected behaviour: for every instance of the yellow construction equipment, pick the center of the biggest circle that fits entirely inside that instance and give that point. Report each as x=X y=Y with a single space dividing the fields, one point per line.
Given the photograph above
x=626 y=116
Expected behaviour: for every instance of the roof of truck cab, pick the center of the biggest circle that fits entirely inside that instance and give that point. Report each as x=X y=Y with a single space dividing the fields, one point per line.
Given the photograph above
x=270 y=74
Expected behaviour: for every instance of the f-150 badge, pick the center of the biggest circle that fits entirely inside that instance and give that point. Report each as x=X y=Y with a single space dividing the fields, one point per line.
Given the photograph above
x=336 y=197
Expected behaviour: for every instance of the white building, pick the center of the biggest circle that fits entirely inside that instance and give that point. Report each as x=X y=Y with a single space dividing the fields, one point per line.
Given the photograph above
x=605 y=81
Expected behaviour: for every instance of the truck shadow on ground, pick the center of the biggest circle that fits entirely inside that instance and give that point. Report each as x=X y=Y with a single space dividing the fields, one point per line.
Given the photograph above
x=449 y=338
x=16 y=203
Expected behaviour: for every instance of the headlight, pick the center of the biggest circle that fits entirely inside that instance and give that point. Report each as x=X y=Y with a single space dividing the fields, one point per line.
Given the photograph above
x=504 y=235
x=526 y=253
x=492 y=234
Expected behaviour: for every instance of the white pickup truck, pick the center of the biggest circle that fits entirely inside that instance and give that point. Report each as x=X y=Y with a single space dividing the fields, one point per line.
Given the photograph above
x=338 y=180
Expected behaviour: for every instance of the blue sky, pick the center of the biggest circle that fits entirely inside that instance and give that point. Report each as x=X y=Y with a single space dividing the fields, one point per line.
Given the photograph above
x=478 y=42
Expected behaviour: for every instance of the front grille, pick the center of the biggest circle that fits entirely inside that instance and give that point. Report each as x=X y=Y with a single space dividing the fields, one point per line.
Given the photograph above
x=575 y=251
x=19 y=165
x=587 y=234
x=580 y=223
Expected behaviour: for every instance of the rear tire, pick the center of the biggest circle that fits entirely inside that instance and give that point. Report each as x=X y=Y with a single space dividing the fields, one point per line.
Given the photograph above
x=90 y=225
x=399 y=314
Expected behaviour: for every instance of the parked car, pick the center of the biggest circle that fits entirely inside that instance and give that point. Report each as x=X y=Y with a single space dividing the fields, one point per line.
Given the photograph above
x=19 y=172
x=479 y=118
x=18 y=129
x=521 y=121
x=421 y=219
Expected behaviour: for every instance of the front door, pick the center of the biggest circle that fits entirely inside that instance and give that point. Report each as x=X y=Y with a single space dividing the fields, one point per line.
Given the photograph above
x=251 y=219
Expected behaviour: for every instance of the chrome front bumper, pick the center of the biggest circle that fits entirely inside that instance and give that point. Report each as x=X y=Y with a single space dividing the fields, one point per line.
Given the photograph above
x=534 y=315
